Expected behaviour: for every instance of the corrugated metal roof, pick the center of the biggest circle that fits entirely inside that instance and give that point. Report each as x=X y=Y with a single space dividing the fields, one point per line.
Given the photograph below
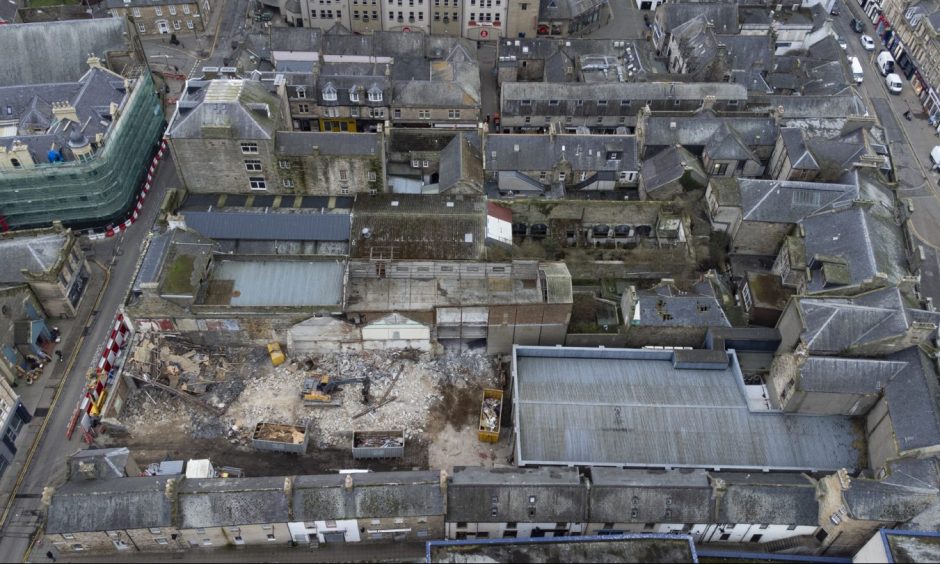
x=283 y=283
x=632 y=408
x=270 y=226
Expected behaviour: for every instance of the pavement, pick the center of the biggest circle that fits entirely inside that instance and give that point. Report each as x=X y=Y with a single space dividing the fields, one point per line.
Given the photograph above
x=42 y=445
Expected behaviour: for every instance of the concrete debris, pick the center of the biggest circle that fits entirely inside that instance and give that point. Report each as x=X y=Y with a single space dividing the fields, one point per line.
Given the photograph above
x=241 y=382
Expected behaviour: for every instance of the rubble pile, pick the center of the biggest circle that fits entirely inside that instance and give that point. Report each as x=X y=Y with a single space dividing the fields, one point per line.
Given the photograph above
x=241 y=388
x=490 y=419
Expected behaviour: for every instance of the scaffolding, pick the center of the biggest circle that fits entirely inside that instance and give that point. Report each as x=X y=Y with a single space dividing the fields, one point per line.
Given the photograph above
x=95 y=191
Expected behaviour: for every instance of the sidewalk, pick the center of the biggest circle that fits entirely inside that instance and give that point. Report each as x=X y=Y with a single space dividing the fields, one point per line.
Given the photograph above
x=37 y=397
x=353 y=552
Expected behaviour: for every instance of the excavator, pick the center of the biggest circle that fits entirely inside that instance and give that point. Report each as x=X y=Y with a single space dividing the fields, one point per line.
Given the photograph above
x=319 y=392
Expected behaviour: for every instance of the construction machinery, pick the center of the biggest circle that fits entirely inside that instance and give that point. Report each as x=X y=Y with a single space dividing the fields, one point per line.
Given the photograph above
x=319 y=391
x=277 y=355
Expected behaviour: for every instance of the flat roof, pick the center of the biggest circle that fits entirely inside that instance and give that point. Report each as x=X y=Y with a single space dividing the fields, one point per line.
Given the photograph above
x=631 y=407
x=639 y=547
x=277 y=283
x=258 y=226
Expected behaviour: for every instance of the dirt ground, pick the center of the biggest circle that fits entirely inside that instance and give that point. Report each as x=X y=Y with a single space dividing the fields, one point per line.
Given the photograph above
x=437 y=406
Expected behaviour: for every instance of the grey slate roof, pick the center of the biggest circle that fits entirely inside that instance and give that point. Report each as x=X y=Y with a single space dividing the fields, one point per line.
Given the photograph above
x=50 y=52
x=722 y=15
x=107 y=505
x=109 y=462
x=301 y=143
x=747 y=52
x=226 y=502
x=666 y=306
x=622 y=91
x=634 y=408
x=797 y=151
x=296 y=39
x=649 y=496
x=666 y=167
x=35 y=254
x=701 y=129
x=847 y=375
x=783 y=499
x=879 y=501
x=791 y=201
x=461 y=162
x=726 y=144
x=524 y=152
x=257 y=226
x=473 y=492
x=375 y=494
x=912 y=402
x=244 y=109
x=833 y=325
x=866 y=237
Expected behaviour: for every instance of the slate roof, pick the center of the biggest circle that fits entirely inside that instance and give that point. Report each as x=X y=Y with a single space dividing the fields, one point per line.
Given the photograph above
x=473 y=493
x=791 y=201
x=847 y=375
x=108 y=505
x=799 y=154
x=726 y=144
x=621 y=91
x=748 y=52
x=766 y=498
x=226 y=502
x=257 y=226
x=649 y=496
x=723 y=16
x=461 y=162
x=37 y=253
x=296 y=39
x=555 y=10
x=109 y=462
x=912 y=398
x=374 y=494
x=666 y=306
x=244 y=109
x=668 y=166
x=301 y=143
x=866 y=237
x=525 y=152
x=872 y=500
x=696 y=42
x=701 y=129
x=54 y=52
x=833 y=325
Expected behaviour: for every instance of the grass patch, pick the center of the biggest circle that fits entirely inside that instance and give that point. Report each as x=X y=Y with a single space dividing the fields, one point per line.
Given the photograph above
x=179 y=276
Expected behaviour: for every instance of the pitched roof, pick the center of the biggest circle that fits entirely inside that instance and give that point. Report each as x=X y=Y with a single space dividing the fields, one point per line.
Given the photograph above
x=834 y=325
x=766 y=498
x=226 y=502
x=726 y=144
x=847 y=375
x=649 y=496
x=108 y=505
x=242 y=109
x=790 y=201
x=302 y=143
x=258 y=226
x=912 y=398
x=872 y=500
x=474 y=492
x=461 y=162
x=667 y=306
x=700 y=129
x=668 y=166
x=373 y=495
x=530 y=152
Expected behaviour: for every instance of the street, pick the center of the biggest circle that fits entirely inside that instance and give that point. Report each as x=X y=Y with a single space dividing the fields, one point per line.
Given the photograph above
x=119 y=255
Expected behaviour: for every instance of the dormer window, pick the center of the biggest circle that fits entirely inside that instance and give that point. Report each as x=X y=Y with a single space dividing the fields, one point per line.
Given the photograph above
x=329 y=93
x=375 y=95
x=354 y=95
x=613 y=155
x=301 y=93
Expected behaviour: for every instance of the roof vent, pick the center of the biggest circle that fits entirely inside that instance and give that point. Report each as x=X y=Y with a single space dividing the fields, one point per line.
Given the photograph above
x=394 y=203
x=450 y=204
x=672 y=125
x=515 y=148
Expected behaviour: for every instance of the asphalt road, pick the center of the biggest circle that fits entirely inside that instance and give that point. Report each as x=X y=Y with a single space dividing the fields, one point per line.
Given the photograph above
x=48 y=466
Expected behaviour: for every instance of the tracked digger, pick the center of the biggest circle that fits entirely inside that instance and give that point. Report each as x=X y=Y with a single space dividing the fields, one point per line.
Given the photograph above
x=320 y=391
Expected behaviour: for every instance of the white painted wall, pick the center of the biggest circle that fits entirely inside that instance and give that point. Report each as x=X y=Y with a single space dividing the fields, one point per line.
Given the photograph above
x=873 y=551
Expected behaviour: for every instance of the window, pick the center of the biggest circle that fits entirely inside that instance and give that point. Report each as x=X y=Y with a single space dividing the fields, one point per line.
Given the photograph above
x=267 y=527
x=532 y=497
x=172 y=10
x=371 y=176
x=176 y=25
x=287 y=183
x=142 y=29
x=157 y=10
x=329 y=93
x=525 y=102
x=725 y=536
x=136 y=12
x=553 y=102
x=561 y=178
x=354 y=95
x=161 y=541
x=756 y=538
x=252 y=165
x=154 y=531
x=77 y=547
x=185 y=9
x=271 y=537
x=206 y=542
x=375 y=95
x=424 y=114
x=602 y=102
x=791 y=527
x=303 y=108
x=425 y=164
x=764 y=526
x=343 y=175
x=189 y=24
x=301 y=93
x=344 y=190
x=249 y=148
x=257 y=183
x=284 y=165
x=462 y=525
x=415 y=164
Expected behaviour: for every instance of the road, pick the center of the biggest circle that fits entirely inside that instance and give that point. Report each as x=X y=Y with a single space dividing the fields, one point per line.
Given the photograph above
x=47 y=465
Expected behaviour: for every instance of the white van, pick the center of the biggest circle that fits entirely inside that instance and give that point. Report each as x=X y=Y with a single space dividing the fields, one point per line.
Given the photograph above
x=885 y=63
x=894 y=84
x=857 y=73
x=935 y=156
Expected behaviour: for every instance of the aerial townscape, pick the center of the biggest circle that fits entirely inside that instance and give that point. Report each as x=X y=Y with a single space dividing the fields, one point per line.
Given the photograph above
x=470 y=281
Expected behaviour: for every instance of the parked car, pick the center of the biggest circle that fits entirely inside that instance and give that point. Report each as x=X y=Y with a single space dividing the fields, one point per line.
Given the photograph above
x=835 y=10
x=857 y=25
x=894 y=84
x=842 y=43
x=935 y=156
x=867 y=42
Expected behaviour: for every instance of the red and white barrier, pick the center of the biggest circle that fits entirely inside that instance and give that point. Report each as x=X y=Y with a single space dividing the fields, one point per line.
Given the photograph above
x=135 y=215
